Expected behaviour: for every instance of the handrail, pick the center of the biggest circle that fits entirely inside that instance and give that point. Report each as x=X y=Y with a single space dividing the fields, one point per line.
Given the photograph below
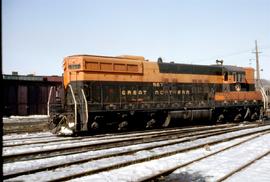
x=75 y=105
x=86 y=105
x=265 y=98
x=48 y=102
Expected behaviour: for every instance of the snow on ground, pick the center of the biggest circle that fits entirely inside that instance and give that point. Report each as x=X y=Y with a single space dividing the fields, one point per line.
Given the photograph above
x=57 y=145
x=21 y=136
x=139 y=172
x=36 y=164
x=30 y=118
x=217 y=166
x=92 y=165
x=258 y=171
x=50 y=175
x=37 y=140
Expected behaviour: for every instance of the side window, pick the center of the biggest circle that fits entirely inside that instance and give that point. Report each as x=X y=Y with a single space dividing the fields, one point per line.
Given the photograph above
x=226 y=76
x=234 y=77
x=243 y=77
x=238 y=77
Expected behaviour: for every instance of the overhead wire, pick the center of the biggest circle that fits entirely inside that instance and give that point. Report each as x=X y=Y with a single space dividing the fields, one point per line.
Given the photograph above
x=228 y=55
x=236 y=53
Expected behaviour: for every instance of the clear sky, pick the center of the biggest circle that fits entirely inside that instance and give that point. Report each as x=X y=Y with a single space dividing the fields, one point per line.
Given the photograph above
x=38 y=34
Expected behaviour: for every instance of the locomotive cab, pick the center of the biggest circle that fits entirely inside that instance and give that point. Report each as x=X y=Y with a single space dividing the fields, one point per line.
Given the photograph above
x=234 y=79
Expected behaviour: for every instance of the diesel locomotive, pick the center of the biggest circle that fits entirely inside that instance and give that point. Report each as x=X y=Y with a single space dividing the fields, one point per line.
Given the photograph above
x=127 y=92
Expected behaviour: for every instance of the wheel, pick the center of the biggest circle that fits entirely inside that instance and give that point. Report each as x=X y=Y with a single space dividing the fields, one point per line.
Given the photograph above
x=150 y=123
x=254 y=116
x=220 y=118
x=122 y=126
x=238 y=117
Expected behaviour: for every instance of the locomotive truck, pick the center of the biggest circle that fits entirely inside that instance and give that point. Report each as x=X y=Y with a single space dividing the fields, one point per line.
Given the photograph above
x=128 y=92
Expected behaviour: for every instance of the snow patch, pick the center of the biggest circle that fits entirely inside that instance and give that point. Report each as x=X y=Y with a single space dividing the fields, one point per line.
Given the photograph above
x=28 y=117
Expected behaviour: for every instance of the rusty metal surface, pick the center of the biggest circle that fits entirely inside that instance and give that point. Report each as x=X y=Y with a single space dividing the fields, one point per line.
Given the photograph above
x=238 y=96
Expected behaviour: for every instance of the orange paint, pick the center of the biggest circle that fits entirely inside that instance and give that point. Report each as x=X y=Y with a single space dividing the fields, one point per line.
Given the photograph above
x=238 y=96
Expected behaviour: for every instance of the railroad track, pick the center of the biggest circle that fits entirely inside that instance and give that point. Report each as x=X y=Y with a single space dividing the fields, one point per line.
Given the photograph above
x=44 y=149
x=16 y=140
x=245 y=165
x=160 y=176
x=150 y=147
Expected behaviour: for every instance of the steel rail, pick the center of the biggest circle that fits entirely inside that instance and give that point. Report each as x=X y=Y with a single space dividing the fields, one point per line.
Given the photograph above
x=243 y=166
x=169 y=171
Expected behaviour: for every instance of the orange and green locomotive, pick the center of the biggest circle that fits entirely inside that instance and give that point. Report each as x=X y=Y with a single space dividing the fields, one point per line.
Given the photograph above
x=128 y=92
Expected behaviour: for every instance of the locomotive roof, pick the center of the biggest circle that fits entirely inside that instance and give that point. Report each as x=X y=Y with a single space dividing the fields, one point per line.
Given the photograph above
x=177 y=67
x=120 y=57
x=197 y=69
x=231 y=68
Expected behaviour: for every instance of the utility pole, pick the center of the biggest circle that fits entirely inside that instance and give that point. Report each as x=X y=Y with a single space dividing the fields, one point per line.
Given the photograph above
x=257 y=65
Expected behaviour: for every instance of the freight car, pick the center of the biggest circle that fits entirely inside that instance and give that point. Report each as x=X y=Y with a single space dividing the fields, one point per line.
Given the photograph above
x=124 y=92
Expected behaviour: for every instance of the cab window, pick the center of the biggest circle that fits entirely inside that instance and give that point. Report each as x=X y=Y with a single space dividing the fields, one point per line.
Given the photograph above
x=234 y=77
x=226 y=76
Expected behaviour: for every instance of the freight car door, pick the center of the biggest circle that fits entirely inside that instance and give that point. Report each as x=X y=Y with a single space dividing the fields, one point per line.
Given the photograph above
x=22 y=100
